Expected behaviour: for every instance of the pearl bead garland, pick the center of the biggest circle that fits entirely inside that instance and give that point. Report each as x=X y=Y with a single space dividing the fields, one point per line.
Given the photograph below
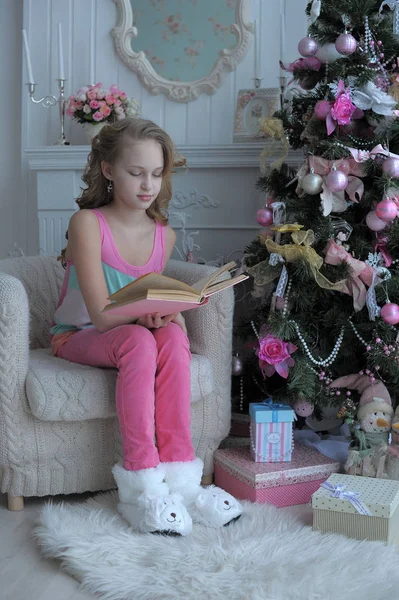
x=370 y=47
x=330 y=359
x=357 y=334
x=241 y=393
x=285 y=309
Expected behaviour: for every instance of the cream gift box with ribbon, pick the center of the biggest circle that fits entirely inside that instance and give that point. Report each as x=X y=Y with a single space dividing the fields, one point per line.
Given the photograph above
x=363 y=508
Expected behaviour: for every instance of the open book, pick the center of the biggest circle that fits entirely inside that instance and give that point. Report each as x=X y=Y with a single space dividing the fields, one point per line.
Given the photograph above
x=155 y=293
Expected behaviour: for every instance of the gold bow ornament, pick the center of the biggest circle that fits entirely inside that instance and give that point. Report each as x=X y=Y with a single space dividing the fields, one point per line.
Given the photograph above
x=273 y=128
x=300 y=250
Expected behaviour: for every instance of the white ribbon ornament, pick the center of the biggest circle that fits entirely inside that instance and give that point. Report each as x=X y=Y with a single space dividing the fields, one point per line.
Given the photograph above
x=370 y=96
x=282 y=283
x=393 y=5
x=315 y=10
x=337 y=491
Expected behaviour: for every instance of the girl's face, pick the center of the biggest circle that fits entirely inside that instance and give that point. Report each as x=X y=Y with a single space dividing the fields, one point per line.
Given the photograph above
x=137 y=174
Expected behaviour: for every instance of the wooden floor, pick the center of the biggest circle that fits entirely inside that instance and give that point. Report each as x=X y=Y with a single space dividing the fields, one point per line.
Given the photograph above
x=25 y=575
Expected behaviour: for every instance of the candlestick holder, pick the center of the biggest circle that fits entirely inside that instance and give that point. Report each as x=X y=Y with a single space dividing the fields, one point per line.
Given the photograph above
x=257 y=82
x=51 y=100
x=283 y=86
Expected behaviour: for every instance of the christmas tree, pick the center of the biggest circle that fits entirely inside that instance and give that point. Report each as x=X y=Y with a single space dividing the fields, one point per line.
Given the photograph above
x=325 y=268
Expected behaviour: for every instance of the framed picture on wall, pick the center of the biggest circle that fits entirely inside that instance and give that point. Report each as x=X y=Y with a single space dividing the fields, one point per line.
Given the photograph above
x=252 y=105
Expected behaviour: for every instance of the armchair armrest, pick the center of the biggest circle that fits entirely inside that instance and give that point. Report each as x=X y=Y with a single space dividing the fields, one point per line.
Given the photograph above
x=14 y=359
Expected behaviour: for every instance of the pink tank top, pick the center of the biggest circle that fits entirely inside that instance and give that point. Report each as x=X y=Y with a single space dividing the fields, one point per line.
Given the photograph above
x=111 y=257
x=71 y=313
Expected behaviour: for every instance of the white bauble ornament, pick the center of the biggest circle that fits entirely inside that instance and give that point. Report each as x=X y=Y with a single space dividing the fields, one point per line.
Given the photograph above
x=328 y=53
x=312 y=184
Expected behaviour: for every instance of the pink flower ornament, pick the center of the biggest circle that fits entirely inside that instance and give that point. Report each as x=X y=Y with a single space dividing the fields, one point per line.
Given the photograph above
x=342 y=110
x=275 y=356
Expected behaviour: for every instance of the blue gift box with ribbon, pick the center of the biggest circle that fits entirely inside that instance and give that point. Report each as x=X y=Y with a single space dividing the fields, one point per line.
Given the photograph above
x=271 y=431
x=269 y=412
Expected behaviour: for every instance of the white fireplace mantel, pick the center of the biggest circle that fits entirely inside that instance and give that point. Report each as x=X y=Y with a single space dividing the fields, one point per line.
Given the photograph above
x=70 y=158
x=210 y=193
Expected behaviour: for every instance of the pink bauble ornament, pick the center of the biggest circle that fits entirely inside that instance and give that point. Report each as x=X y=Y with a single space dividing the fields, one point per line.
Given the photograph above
x=308 y=46
x=308 y=82
x=374 y=223
x=390 y=313
x=264 y=216
x=390 y=166
x=346 y=44
x=336 y=181
x=386 y=210
x=322 y=109
x=303 y=409
x=345 y=167
x=236 y=366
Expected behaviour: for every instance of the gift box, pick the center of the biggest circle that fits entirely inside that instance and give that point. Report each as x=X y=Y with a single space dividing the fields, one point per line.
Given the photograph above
x=239 y=425
x=363 y=508
x=271 y=431
x=281 y=484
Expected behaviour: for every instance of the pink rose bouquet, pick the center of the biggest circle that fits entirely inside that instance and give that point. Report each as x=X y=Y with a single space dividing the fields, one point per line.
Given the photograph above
x=94 y=104
x=343 y=109
x=275 y=356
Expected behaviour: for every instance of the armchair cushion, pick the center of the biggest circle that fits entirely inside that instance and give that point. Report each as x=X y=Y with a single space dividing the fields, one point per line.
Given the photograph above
x=60 y=390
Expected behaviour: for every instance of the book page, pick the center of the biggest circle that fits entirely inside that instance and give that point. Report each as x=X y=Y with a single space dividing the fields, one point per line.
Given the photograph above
x=223 y=285
x=203 y=284
x=140 y=286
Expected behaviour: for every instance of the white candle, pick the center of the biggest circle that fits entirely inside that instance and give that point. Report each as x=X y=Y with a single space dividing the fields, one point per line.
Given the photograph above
x=60 y=54
x=282 y=32
x=91 y=57
x=256 y=52
x=27 y=58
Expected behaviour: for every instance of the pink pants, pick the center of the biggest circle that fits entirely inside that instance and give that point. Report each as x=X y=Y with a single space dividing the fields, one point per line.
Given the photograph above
x=152 y=389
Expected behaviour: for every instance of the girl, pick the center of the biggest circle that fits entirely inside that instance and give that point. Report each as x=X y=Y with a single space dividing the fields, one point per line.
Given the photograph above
x=119 y=234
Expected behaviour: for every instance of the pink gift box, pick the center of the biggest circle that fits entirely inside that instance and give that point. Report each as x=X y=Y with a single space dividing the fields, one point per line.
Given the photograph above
x=281 y=484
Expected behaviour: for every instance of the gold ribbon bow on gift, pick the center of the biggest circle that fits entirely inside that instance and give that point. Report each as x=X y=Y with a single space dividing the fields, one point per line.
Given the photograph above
x=273 y=128
x=300 y=250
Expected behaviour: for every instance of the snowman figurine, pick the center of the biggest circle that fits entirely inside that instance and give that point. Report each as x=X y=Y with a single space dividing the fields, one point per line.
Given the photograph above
x=392 y=464
x=368 y=449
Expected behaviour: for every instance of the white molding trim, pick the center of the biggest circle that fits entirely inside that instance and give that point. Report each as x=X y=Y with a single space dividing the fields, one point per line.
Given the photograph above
x=74 y=158
x=179 y=91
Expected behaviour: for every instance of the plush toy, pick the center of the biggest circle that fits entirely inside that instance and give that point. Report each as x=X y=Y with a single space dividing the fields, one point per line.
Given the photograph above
x=392 y=464
x=368 y=449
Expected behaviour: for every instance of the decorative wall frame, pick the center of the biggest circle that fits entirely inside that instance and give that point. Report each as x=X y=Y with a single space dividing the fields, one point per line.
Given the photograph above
x=127 y=30
x=253 y=104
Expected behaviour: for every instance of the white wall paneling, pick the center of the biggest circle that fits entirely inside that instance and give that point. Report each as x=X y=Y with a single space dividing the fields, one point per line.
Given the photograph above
x=205 y=125
x=209 y=120
x=12 y=193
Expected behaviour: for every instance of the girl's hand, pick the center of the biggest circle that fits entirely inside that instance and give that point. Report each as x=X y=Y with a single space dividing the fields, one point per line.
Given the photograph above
x=154 y=321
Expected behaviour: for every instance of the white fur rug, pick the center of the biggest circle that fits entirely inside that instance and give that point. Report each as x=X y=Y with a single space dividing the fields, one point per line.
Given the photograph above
x=265 y=555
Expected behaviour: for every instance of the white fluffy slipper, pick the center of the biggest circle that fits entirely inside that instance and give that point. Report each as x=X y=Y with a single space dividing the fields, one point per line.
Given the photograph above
x=150 y=514
x=214 y=507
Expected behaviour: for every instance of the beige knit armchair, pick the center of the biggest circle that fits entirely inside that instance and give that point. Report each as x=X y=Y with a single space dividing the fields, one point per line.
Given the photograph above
x=58 y=428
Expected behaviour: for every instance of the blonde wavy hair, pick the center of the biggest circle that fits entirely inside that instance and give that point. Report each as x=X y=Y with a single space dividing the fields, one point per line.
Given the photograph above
x=107 y=146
